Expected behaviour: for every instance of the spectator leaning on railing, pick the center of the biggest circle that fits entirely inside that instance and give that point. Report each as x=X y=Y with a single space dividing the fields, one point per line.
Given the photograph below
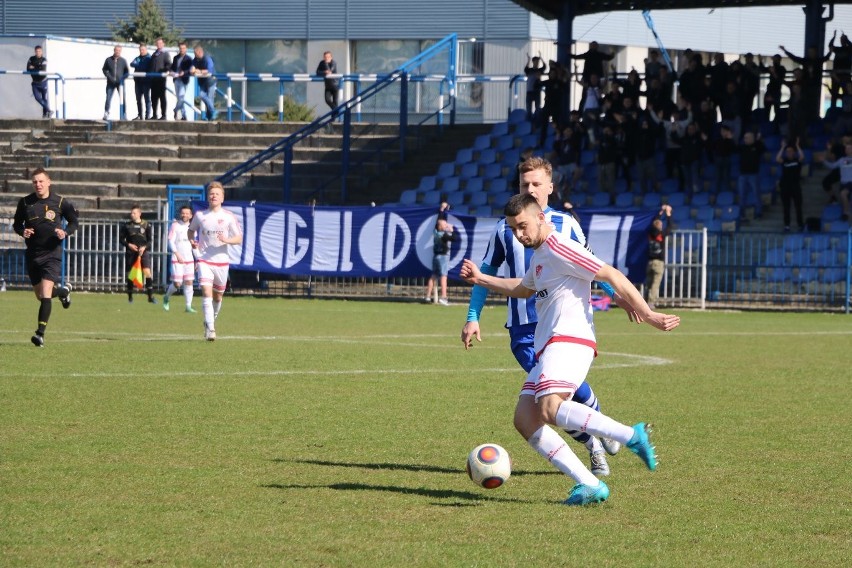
x=35 y=64
x=115 y=70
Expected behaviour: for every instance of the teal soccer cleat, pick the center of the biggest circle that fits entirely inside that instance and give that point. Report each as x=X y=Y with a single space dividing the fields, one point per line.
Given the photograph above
x=582 y=494
x=640 y=444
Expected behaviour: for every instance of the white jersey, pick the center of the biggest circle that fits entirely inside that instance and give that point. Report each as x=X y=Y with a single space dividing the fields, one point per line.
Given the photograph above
x=179 y=240
x=208 y=226
x=561 y=272
x=505 y=248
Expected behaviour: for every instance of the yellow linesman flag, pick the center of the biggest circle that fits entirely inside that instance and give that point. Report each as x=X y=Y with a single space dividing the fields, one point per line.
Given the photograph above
x=135 y=275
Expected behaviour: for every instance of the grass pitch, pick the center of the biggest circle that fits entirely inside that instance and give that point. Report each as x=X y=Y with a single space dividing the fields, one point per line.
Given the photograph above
x=333 y=433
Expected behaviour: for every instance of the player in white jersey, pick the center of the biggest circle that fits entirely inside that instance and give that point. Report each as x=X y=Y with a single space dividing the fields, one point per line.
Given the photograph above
x=504 y=250
x=216 y=228
x=560 y=275
x=183 y=260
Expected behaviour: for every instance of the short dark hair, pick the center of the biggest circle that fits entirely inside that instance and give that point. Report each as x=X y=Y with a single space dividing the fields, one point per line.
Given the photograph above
x=518 y=203
x=185 y=206
x=38 y=171
x=136 y=206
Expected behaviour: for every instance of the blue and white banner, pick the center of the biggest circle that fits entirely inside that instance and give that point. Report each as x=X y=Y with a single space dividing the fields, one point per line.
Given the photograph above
x=397 y=242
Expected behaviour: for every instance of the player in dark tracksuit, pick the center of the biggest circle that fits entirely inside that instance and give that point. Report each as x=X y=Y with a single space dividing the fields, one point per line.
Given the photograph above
x=136 y=236
x=38 y=219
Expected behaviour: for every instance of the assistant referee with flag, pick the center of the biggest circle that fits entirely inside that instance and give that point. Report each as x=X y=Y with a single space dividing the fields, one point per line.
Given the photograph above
x=136 y=237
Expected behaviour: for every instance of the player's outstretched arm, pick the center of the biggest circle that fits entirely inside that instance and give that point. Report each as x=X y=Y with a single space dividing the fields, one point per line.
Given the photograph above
x=632 y=314
x=624 y=288
x=512 y=287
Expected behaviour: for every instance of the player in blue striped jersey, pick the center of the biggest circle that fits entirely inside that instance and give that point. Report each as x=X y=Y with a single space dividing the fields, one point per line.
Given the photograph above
x=505 y=250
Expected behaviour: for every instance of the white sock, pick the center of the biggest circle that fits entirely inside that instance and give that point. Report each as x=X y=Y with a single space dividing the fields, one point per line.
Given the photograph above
x=171 y=290
x=187 y=294
x=207 y=310
x=575 y=416
x=216 y=307
x=553 y=448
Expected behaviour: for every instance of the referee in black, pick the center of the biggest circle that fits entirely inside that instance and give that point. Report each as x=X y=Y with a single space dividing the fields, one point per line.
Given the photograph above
x=38 y=219
x=135 y=235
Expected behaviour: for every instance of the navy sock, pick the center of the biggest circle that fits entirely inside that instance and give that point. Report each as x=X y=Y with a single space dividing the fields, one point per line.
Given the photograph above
x=43 y=314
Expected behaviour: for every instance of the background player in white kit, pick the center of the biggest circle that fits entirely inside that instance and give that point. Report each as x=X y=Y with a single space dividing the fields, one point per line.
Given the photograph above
x=216 y=228
x=183 y=261
x=560 y=275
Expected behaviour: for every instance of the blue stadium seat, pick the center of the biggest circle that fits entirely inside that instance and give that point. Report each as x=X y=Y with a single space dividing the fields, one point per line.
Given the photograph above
x=493 y=171
x=775 y=257
x=837 y=226
x=517 y=116
x=477 y=199
x=408 y=197
x=427 y=183
x=461 y=209
x=587 y=157
x=455 y=199
x=446 y=169
x=668 y=186
x=705 y=213
x=794 y=242
x=725 y=198
x=500 y=129
x=504 y=143
x=652 y=200
x=510 y=158
x=624 y=200
x=729 y=213
x=498 y=185
x=450 y=184
x=686 y=224
x=680 y=215
x=523 y=128
x=834 y=275
x=800 y=257
x=676 y=200
x=700 y=199
x=487 y=156
x=600 y=199
x=481 y=211
x=818 y=243
x=469 y=170
x=500 y=199
x=464 y=156
x=779 y=274
x=528 y=141
x=482 y=142
x=474 y=185
x=828 y=258
x=832 y=212
x=578 y=199
x=432 y=197
x=807 y=274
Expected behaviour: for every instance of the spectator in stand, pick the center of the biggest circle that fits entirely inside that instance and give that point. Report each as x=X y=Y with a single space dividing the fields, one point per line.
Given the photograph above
x=653 y=64
x=729 y=108
x=691 y=84
x=812 y=65
x=722 y=150
x=180 y=70
x=750 y=151
x=691 y=148
x=161 y=62
x=843 y=164
x=750 y=84
x=442 y=236
x=631 y=86
x=594 y=63
x=142 y=85
x=115 y=70
x=791 y=159
x=777 y=79
x=667 y=83
x=555 y=88
x=591 y=102
x=843 y=120
x=204 y=71
x=660 y=228
x=647 y=141
x=567 y=149
x=443 y=208
x=834 y=150
x=675 y=128
x=718 y=78
x=706 y=117
x=797 y=112
x=328 y=66
x=37 y=64
x=608 y=159
x=534 y=71
x=841 y=70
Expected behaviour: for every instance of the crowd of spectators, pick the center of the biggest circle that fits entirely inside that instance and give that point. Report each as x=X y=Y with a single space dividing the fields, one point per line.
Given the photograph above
x=702 y=114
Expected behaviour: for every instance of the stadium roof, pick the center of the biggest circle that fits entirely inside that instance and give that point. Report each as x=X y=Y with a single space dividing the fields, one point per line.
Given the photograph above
x=552 y=9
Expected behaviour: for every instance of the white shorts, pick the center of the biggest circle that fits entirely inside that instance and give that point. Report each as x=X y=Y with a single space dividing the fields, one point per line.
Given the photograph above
x=183 y=271
x=561 y=368
x=215 y=275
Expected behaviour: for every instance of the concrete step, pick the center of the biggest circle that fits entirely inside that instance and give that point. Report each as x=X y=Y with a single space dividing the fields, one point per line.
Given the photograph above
x=121 y=150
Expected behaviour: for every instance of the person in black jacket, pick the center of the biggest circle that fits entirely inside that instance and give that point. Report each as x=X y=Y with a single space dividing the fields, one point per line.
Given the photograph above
x=135 y=235
x=332 y=85
x=657 y=234
x=35 y=64
x=750 y=151
x=441 y=239
x=115 y=70
x=180 y=70
x=161 y=62
x=38 y=219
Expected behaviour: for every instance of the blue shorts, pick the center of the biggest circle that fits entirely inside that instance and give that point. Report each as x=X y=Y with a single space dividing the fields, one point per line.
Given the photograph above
x=440 y=265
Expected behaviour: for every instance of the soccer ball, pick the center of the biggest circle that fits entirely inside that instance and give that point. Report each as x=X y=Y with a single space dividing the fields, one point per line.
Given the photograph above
x=489 y=466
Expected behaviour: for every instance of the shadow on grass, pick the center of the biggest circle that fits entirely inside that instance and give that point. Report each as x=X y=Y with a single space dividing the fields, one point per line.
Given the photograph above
x=473 y=498
x=403 y=467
